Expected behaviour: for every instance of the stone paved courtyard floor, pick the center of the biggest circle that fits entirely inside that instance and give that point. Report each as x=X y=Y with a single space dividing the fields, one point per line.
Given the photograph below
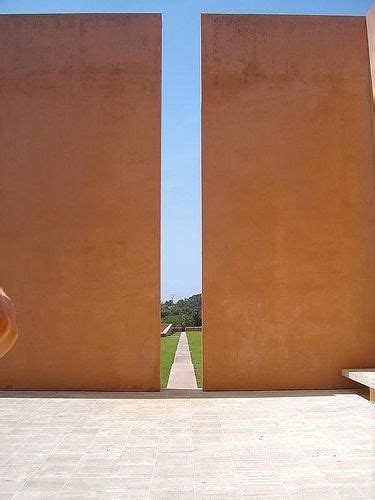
x=303 y=444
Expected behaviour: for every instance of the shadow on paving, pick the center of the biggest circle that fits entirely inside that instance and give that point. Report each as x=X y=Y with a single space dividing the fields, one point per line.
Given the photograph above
x=179 y=393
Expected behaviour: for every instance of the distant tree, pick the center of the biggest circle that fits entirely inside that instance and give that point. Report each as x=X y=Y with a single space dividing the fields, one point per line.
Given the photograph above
x=186 y=320
x=197 y=318
x=164 y=310
x=185 y=312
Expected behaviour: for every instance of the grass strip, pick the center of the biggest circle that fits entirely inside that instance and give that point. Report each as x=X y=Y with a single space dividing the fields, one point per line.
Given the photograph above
x=167 y=351
x=195 y=347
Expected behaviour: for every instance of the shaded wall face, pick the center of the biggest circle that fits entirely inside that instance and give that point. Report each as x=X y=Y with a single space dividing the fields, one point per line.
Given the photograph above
x=80 y=199
x=288 y=204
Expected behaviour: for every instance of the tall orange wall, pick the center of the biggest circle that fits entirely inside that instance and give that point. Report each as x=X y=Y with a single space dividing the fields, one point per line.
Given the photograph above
x=80 y=199
x=288 y=201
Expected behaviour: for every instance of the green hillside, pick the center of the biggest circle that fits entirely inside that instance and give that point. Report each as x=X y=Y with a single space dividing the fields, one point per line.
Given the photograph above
x=184 y=312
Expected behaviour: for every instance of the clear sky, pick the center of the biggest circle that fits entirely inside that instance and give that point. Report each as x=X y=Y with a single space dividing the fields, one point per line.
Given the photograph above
x=181 y=198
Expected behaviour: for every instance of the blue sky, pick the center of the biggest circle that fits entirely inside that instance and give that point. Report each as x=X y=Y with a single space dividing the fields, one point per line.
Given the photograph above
x=181 y=196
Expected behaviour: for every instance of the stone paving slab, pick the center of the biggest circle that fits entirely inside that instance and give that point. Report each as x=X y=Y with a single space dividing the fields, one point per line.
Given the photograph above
x=182 y=374
x=187 y=444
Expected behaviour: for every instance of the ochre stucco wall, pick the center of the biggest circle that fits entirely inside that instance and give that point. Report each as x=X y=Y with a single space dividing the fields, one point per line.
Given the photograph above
x=80 y=199
x=288 y=201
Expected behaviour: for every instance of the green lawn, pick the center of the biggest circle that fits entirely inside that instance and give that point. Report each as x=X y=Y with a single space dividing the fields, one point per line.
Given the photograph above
x=195 y=346
x=167 y=351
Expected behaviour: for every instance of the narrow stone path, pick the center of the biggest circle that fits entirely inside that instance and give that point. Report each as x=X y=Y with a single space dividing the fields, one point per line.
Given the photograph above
x=182 y=374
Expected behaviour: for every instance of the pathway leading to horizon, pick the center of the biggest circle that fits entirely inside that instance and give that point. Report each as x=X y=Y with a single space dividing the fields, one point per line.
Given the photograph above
x=182 y=374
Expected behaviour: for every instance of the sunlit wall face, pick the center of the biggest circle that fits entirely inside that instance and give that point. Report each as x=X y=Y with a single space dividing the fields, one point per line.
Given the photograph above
x=80 y=199
x=288 y=201
x=181 y=191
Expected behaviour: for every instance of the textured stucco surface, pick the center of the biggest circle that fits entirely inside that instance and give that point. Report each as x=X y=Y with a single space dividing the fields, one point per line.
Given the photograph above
x=288 y=203
x=80 y=199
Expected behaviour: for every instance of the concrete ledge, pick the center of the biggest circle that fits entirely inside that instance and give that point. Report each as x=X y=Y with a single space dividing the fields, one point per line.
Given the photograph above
x=364 y=376
x=167 y=331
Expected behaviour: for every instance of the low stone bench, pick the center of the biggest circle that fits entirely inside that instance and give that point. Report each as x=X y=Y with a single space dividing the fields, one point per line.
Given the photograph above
x=364 y=376
x=168 y=330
